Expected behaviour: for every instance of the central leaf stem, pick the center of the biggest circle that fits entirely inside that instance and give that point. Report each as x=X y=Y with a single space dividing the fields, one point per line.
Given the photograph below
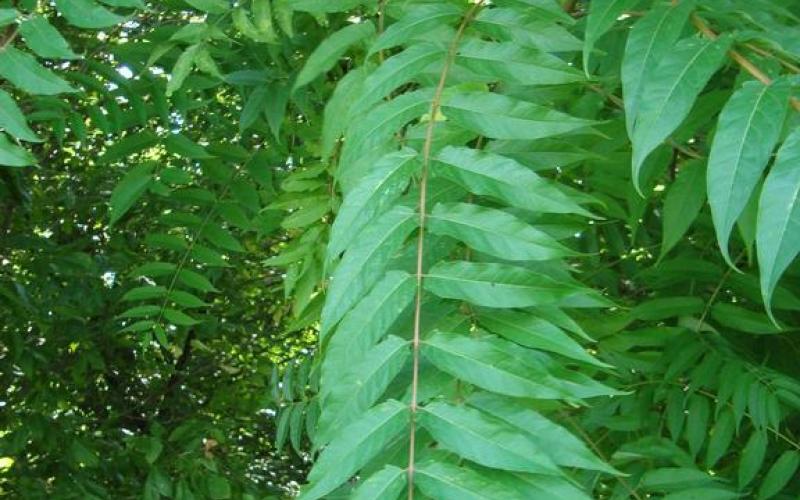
x=423 y=198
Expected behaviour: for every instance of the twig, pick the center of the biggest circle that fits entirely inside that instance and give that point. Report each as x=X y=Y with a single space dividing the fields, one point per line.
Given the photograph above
x=740 y=59
x=423 y=188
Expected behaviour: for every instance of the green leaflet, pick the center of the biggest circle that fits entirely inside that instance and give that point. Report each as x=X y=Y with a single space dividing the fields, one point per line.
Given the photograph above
x=25 y=72
x=13 y=121
x=500 y=366
x=338 y=107
x=502 y=117
x=484 y=439
x=183 y=66
x=445 y=481
x=366 y=324
x=494 y=232
x=488 y=174
x=181 y=145
x=697 y=423
x=743 y=320
x=355 y=446
x=396 y=71
x=253 y=107
x=334 y=46
x=210 y=6
x=532 y=331
x=145 y=293
x=137 y=4
x=8 y=16
x=42 y=38
x=376 y=129
x=87 y=14
x=779 y=474
x=602 y=16
x=650 y=39
x=360 y=385
x=752 y=457
x=748 y=129
x=130 y=144
x=12 y=155
x=720 y=440
x=682 y=204
x=129 y=190
x=676 y=479
x=529 y=31
x=388 y=483
x=365 y=261
x=509 y=62
x=222 y=238
x=668 y=307
x=316 y=6
x=555 y=441
x=275 y=109
x=419 y=20
x=669 y=93
x=373 y=194
x=505 y=286
x=778 y=227
x=195 y=280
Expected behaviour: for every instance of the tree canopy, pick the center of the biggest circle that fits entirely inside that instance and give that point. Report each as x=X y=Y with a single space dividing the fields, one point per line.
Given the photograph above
x=506 y=249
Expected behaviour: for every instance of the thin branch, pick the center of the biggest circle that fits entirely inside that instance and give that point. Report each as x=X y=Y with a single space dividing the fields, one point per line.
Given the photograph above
x=423 y=195
x=740 y=59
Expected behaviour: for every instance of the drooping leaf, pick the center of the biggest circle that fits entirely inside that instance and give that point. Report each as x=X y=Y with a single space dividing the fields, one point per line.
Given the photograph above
x=365 y=261
x=446 y=481
x=210 y=6
x=532 y=331
x=354 y=446
x=335 y=45
x=370 y=197
x=602 y=16
x=316 y=6
x=42 y=38
x=748 y=129
x=87 y=14
x=669 y=93
x=367 y=323
x=779 y=475
x=361 y=385
x=494 y=232
x=501 y=366
x=720 y=440
x=502 y=117
x=129 y=190
x=555 y=441
x=778 y=226
x=395 y=71
x=387 y=483
x=483 y=439
x=752 y=457
x=25 y=72
x=275 y=109
x=377 y=128
x=697 y=422
x=683 y=202
x=650 y=39
x=499 y=177
x=12 y=155
x=13 y=121
x=419 y=20
x=509 y=62
x=505 y=286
